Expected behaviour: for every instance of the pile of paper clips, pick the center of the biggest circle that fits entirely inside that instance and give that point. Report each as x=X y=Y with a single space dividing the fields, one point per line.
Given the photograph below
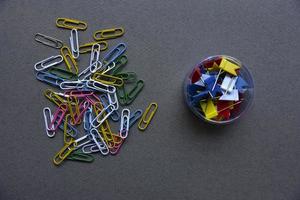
x=91 y=97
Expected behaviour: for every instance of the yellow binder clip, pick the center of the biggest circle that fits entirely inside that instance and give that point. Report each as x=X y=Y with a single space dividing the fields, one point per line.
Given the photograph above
x=64 y=152
x=69 y=60
x=70 y=24
x=86 y=48
x=108 y=79
x=111 y=33
x=147 y=116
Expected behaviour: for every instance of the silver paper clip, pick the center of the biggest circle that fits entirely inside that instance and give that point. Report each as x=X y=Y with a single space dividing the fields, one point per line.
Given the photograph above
x=104 y=150
x=48 y=117
x=102 y=116
x=48 y=41
x=100 y=86
x=69 y=85
x=124 y=127
x=74 y=43
x=48 y=62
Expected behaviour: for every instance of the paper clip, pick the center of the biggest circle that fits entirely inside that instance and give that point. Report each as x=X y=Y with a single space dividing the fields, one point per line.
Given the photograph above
x=120 y=63
x=85 y=48
x=87 y=72
x=95 y=53
x=145 y=120
x=83 y=141
x=64 y=152
x=87 y=119
x=115 y=116
x=102 y=116
x=122 y=96
x=69 y=60
x=135 y=91
x=71 y=130
x=111 y=33
x=55 y=98
x=49 y=78
x=74 y=43
x=48 y=41
x=64 y=74
x=84 y=105
x=67 y=137
x=69 y=85
x=100 y=86
x=113 y=54
x=58 y=117
x=48 y=62
x=80 y=94
x=127 y=77
x=124 y=126
x=70 y=24
x=108 y=79
x=47 y=119
x=76 y=156
x=109 y=67
x=99 y=142
x=135 y=117
x=90 y=148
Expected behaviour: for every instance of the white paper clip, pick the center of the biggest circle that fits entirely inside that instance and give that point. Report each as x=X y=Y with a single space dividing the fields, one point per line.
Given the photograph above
x=124 y=126
x=48 y=62
x=74 y=43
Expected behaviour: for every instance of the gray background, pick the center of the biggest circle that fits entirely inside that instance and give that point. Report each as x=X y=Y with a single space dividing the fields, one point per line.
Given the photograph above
x=178 y=157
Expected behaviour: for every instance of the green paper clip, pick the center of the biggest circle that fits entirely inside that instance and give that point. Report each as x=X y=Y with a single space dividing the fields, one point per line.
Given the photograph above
x=64 y=74
x=122 y=96
x=128 y=77
x=78 y=156
x=131 y=96
x=111 y=33
x=119 y=64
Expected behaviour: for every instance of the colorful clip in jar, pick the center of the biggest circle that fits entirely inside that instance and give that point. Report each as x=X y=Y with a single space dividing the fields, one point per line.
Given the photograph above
x=219 y=89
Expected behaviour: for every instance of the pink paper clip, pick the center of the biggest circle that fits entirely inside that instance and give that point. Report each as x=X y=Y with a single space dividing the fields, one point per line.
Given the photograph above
x=83 y=106
x=58 y=117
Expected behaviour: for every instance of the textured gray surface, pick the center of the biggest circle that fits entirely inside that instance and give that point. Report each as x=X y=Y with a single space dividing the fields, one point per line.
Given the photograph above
x=177 y=157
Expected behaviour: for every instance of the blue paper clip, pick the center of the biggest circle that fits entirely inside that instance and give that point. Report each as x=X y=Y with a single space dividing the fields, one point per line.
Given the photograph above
x=49 y=78
x=134 y=117
x=115 y=116
x=87 y=119
x=114 y=54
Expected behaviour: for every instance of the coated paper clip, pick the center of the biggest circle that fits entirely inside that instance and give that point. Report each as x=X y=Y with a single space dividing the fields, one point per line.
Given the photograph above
x=67 y=137
x=49 y=78
x=48 y=117
x=74 y=43
x=69 y=85
x=70 y=24
x=58 y=117
x=111 y=33
x=135 y=117
x=48 y=41
x=77 y=156
x=108 y=79
x=90 y=148
x=145 y=120
x=131 y=96
x=48 y=62
x=95 y=53
x=69 y=60
x=87 y=72
x=64 y=74
x=120 y=63
x=124 y=126
x=64 y=152
x=85 y=48
x=127 y=77
x=113 y=54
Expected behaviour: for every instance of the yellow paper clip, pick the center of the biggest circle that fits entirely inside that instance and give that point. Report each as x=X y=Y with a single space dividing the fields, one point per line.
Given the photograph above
x=64 y=152
x=69 y=60
x=108 y=79
x=86 y=48
x=67 y=137
x=145 y=119
x=71 y=23
x=72 y=113
x=111 y=33
x=53 y=97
